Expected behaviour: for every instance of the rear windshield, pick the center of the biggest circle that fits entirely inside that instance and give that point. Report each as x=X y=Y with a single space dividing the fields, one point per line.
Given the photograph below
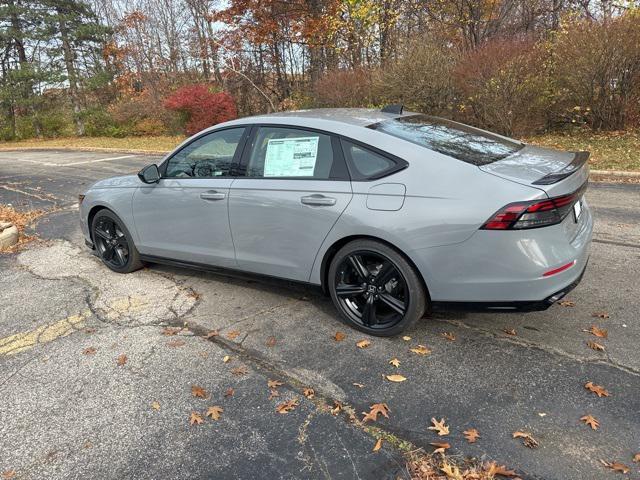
x=450 y=138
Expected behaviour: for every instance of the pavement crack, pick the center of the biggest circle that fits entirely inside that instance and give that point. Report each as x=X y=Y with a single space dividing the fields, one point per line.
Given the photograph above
x=545 y=348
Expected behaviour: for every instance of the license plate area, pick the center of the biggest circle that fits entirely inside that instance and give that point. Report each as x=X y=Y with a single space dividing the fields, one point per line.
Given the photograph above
x=577 y=210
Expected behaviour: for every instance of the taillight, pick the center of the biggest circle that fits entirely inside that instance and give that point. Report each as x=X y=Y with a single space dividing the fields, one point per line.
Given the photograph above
x=534 y=214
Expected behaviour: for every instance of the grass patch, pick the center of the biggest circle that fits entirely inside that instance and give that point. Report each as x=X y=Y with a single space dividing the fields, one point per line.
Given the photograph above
x=609 y=151
x=143 y=144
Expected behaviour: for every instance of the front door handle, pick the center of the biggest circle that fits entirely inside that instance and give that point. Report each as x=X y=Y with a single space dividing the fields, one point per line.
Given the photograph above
x=319 y=200
x=213 y=195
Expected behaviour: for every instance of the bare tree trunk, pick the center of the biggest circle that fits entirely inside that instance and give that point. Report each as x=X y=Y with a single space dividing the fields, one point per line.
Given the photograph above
x=71 y=75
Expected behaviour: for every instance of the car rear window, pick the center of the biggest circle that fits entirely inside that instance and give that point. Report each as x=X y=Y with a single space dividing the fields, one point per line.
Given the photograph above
x=456 y=140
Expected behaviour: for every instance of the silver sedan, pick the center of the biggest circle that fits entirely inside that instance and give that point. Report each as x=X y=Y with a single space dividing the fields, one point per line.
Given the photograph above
x=392 y=213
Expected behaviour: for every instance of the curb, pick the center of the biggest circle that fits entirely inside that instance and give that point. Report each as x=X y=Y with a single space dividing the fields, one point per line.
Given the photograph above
x=616 y=173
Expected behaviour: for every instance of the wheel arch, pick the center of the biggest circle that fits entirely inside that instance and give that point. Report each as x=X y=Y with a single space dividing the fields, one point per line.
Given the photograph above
x=91 y=215
x=338 y=244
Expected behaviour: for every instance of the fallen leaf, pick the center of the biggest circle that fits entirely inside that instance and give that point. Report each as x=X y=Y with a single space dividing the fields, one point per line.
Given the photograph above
x=636 y=457
x=359 y=385
x=395 y=378
x=451 y=471
x=510 y=331
x=226 y=359
x=492 y=469
x=598 y=332
x=274 y=383
x=440 y=447
x=87 y=445
x=375 y=409
x=595 y=346
x=122 y=359
x=176 y=343
x=155 y=405
x=309 y=392
x=337 y=407
x=567 y=303
x=204 y=354
x=233 y=334
x=591 y=421
x=89 y=351
x=211 y=334
x=89 y=330
x=449 y=336
x=603 y=315
x=286 y=407
x=273 y=394
x=363 y=344
x=395 y=362
x=241 y=370
x=439 y=427
x=198 y=391
x=8 y=474
x=471 y=435
x=527 y=439
x=195 y=418
x=171 y=331
x=339 y=336
x=378 y=445
x=616 y=466
x=271 y=342
x=406 y=338
x=229 y=393
x=420 y=350
x=597 y=389
x=214 y=412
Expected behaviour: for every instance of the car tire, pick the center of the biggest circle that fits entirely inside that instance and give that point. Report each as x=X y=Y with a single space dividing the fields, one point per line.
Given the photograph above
x=389 y=300
x=113 y=243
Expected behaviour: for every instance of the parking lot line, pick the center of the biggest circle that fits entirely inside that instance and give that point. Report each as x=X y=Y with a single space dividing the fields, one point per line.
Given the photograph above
x=44 y=334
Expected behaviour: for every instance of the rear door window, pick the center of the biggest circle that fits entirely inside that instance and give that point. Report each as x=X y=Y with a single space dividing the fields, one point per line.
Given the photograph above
x=453 y=139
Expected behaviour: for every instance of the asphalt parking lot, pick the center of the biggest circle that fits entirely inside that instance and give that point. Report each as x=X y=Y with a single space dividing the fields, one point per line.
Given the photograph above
x=97 y=369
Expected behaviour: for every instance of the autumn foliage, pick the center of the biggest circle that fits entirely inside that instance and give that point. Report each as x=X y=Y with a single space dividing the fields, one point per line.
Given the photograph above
x=201 y=107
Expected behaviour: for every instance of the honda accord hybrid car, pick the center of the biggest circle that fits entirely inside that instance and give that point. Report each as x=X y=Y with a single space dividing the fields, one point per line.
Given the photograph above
x=392 y=213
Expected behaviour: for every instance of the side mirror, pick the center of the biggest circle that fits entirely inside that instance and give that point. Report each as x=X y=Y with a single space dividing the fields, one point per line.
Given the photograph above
x=149 y=174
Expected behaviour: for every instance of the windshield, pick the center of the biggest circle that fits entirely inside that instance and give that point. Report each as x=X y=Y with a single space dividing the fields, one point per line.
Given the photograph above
x=456 y=140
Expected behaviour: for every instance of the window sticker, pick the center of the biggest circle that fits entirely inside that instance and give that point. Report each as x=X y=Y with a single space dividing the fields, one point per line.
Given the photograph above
x=291 y=157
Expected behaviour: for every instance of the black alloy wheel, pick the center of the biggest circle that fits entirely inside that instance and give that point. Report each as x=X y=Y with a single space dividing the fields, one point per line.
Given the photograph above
x=113 y=243
x=376 y=290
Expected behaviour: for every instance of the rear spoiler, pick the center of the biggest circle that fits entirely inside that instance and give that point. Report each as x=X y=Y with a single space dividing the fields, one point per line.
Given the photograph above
x=576 y=164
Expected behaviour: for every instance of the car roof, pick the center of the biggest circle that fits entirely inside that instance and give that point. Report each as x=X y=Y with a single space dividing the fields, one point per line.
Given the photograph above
x=360 y=117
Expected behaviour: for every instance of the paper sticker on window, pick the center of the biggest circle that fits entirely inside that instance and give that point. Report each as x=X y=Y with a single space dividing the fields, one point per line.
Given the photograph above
x=291 y=157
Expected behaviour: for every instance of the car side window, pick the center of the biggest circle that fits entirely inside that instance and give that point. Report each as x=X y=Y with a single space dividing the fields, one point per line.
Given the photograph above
x=366 y=164
x=210 y=156
x=282 y=152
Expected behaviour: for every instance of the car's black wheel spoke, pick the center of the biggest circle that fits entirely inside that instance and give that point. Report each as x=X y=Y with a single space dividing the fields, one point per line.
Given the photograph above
x=374 y=300
x=111 y=243
x=358 y=266
x=397 y=305
x=347 y=290
x=369 y=312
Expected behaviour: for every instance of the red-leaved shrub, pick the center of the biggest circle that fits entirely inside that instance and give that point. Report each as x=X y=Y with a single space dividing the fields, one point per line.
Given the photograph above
x=201 y=107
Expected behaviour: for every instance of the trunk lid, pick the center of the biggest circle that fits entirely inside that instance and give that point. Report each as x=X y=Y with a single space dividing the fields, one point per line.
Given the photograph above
x=553 y=171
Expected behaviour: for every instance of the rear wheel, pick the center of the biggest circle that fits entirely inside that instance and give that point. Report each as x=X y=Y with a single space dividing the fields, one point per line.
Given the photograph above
x=113 y=243
x=375 y=289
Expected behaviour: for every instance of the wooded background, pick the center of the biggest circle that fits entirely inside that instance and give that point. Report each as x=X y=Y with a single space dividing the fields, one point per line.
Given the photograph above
x=152 y=67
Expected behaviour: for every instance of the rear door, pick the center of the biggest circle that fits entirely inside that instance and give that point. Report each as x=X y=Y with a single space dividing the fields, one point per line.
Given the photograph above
x=185 y=215
x=294 y=187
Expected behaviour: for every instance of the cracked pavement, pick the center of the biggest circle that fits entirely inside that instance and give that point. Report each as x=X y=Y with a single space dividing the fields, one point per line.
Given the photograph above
x=64 y=414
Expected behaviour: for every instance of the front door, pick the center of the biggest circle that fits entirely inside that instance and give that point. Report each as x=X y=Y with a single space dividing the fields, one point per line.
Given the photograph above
x=185 y=215
x=294 y=188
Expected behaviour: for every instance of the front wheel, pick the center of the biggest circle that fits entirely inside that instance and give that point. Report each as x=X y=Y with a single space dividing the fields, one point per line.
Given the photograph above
x=113 y=243
x=375 y=288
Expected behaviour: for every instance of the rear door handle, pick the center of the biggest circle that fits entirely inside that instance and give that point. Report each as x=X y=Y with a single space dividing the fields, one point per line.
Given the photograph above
x=319 y=200
x=213 y=195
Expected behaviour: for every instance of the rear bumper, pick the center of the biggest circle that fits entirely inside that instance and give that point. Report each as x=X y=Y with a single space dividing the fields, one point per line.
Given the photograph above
x=517 y=306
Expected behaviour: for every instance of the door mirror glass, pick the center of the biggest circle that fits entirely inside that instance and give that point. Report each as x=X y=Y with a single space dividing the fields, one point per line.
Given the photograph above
x=149 y=174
